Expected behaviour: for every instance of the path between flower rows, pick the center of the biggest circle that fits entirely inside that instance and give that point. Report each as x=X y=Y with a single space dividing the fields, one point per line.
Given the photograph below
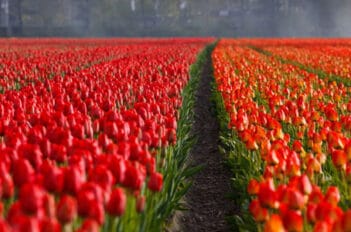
x=206 y=200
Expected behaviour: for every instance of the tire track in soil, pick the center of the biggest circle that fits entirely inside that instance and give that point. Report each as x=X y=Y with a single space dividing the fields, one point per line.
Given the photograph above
x=206 y=200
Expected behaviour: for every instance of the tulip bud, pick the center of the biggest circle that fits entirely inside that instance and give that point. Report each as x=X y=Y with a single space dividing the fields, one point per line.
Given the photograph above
x=66 y=209
x=274 y=224
x=293 y=221
x=89 y=225
x=267 y=195
x=140 y=204
x=253 y=187
x=259 y=213
x=155 y=182
x=31 y=198
x=339 y=159
x=117 y=203
x=332 y=195
x=22 y=172
x=50 y=225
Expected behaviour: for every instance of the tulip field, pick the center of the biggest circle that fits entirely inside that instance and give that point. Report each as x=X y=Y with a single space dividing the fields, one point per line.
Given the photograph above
x=287 y=106
x=95 y=133
x=88 y=133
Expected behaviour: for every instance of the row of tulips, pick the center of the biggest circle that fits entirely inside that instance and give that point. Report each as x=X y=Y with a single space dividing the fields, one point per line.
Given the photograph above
x=288 y=141
x=329 y=59
x=101 y=148
x=35 y=62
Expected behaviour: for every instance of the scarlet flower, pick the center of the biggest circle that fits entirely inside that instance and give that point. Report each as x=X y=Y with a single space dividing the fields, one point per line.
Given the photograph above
x=326 y=211
x=66 y=209
x=50 y=225
x=253 y=187
x=118 y=168
x=31 y=198
x=22 y=172
x=73 y=179
x=101 y=175
x=346 y=221
x=332 y=195
x=267 y=195
x=294 y=198
x=134 y=177
x=4 y=227
x=7 y=185
x=259 y=213
x=140 y=204
x=89 y=225
x=96 y=212
x=49 y=206
x=117 y=203
x=251 y=144
x=26 y=223
x=90 y=195
x=305 y=185
x=293 y=221
x=274 y=224
x=272 y=157
x=53 y=177
x=322 y=226
x=347 y=150
x=311 y=212
x=316 y=195
x=155 y=182
x=339 y=159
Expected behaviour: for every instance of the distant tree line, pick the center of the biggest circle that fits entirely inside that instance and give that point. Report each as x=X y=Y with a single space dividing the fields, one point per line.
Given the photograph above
x=171 y=17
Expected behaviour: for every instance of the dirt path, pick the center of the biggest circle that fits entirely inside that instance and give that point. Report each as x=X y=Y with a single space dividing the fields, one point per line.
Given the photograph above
x=206 y=199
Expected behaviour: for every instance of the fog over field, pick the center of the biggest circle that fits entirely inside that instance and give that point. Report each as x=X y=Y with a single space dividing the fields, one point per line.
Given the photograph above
x=234 y=18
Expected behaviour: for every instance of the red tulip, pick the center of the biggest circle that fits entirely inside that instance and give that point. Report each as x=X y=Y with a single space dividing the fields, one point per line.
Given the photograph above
x=133 y=177
x=73 y=179
x=117 y=203
x=294 y=198
x=31 y=198
x=345 y=222
x=4 y=227
x=253 y=187
x=96 y=212
x=53 y=177
x=274 y=224
x=259 y=213
x=89 y=225
x=293 y=221
x=267 y=195
x=50 y=225
x=332 y=195
x=66 y=209
x=118 y=168
x=339 y=159
x=7 y=185
x=103 y=176
x=49 y=206
x=311 y=212
x=140 y=204
x=22 y=172
x=155 y=182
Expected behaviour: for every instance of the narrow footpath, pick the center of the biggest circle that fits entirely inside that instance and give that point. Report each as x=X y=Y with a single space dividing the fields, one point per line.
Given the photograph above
x=207 y=199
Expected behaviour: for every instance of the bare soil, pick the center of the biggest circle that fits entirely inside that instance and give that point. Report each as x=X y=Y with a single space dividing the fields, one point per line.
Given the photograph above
x=207 y=201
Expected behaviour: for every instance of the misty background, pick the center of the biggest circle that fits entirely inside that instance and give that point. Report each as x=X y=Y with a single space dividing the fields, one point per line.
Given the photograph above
x=231 y=18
